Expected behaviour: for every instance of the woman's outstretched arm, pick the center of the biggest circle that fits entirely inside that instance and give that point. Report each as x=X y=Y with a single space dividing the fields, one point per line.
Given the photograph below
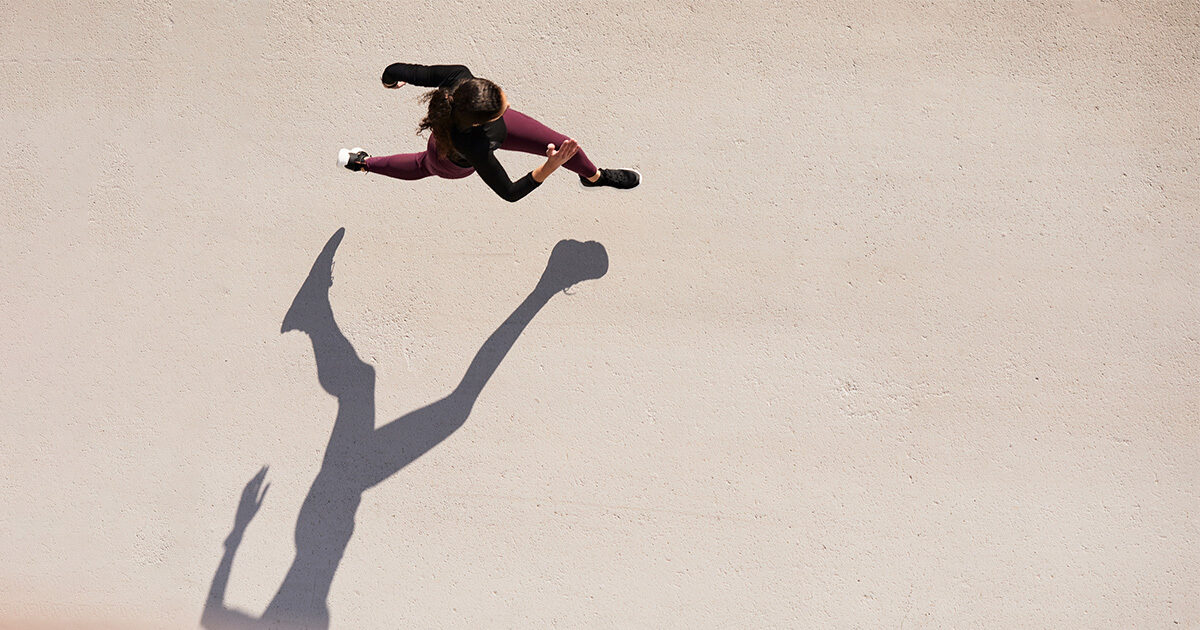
x=424 y=76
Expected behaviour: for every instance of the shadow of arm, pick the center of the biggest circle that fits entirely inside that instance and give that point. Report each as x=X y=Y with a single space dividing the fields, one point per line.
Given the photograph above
x=216 y=614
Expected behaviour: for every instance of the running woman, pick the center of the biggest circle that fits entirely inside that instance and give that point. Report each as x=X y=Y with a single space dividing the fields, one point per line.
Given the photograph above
x=469 y=118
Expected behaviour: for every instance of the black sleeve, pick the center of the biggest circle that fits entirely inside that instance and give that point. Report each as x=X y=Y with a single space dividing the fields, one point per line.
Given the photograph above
x=493 y=173
x=425 y=76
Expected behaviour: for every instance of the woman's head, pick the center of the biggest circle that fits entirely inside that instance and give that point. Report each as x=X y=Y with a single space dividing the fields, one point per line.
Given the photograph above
x=469 y=103
x=476 y=101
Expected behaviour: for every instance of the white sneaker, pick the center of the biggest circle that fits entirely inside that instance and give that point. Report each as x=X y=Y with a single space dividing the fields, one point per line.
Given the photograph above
x=353 y=159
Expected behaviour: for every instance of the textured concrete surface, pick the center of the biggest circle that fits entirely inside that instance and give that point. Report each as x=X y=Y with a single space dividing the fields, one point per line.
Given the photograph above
x=900 y=330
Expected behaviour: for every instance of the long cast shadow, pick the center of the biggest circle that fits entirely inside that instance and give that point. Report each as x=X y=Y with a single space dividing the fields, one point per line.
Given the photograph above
x=359 y=455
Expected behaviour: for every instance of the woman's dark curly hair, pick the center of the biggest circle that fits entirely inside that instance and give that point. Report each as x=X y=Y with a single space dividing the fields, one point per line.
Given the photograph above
x=466 y=103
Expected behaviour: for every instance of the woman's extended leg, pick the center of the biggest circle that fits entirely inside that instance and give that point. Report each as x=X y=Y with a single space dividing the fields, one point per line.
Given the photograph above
x=417 y=165
x=400 y=166
x=530 y=136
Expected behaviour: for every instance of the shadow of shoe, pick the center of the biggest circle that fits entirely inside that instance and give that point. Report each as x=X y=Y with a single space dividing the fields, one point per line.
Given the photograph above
x=312 y=300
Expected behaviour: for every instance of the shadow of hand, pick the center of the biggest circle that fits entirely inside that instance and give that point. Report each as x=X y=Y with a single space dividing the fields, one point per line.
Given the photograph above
x=252 y=499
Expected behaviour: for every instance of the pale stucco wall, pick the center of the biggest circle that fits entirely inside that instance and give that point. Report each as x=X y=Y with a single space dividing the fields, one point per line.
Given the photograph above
x=900 y=330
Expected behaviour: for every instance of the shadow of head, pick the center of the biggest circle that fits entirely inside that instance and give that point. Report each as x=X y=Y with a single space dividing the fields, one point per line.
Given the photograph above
x=572 y=262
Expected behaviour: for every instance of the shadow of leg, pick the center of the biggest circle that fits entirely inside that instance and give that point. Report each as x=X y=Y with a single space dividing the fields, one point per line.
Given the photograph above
x=404 y=439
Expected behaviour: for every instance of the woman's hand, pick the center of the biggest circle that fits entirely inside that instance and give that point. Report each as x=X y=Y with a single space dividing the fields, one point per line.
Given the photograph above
x=555 y=158
x=564 y=152
x=394 y=85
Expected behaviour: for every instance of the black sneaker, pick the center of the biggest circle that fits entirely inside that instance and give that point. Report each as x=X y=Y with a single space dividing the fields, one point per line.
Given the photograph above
x=623 y=178
x=354 y=159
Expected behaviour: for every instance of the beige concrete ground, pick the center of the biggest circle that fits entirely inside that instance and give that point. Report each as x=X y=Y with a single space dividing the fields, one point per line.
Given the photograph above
x=900 y=330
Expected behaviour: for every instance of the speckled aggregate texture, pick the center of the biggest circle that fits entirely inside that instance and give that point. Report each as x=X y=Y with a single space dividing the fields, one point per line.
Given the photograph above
x=900 y=329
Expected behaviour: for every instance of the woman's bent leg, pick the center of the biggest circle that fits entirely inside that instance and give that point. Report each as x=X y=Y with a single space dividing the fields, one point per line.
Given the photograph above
x=530 y=136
